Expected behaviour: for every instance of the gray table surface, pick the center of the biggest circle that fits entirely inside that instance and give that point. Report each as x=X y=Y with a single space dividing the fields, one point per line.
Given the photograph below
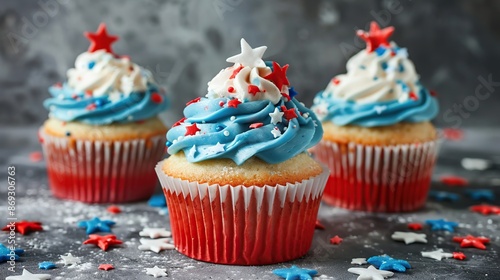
x=364 y=234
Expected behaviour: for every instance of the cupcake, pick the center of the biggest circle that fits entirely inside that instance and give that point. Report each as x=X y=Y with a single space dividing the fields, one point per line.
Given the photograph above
x=378 y=142
x=240 y=185
x=103 y=137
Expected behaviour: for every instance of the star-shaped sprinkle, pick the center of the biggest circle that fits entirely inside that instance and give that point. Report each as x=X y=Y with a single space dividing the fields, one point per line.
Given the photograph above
x=415 y=226
x=103 y=241
x=486 y=209
x=278 y=76
x=358 y=261
x=156 y=272
x=336 y=240
x=46 y=265
x=442 y=224
x=439 y=254
x=256 y=125
x=191 y=129
x=179 y=122
x=459 y=256
x=472 y=241
x=217 y=148
x=276 y=116
x=113 y=209
x=28 y=276
x=100 y=40
x=157 y=200
x=233 y=103
x=289 y=113
x=106 y=266
x=248 y=56
x=96 y=225
x=444 y=196
x=319 y=225
x=36 y=156
x=376 y=37
x=23 y=227
x=155 y=232
x=156 y=245
x=481 y=194
x=69 y=259
x=453 y=181
x=409 y=237
x=370 y=273
x=276 y=132
x=196 y=100
x=253 y=89
x=385 y=262
x=295 y=272
x=379 y=108
x=476 y=163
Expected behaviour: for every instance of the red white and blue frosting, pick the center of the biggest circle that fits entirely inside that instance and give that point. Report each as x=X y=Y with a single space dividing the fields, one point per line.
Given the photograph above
x=249 y=110
x=104 y=88
x=381 y=87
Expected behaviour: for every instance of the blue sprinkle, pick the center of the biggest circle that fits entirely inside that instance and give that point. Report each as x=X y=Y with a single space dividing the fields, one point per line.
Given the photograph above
x=375 y=78
x=168 y=143
x=99 y=102
x=380 y=51
x=362 y=67
x=91 y=64
x=68 y=133
x=46 y=265
x=269 y=64
x=157 y=200
x=401 y=68
x=384 y=65
x=219 y=127
x=292 y=92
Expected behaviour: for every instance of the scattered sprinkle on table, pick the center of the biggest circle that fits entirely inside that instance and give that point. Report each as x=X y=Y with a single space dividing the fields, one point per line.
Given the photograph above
x=23 y=227
x=385 y=262
x=106 y=266
x=409 y=237
x=46 y=265
x=155 y=232
x=295 y=272
x=96 y=225
x=472 y=241
x=103 y=241
x=336 y=240
x=156 y=272
x=29 y=276
x=439 y=254
x=370 y=273
x=156 y=245
x=442 y=224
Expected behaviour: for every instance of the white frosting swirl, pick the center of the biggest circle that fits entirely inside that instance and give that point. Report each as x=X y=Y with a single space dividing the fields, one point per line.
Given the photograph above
x=374 y=77
x=104 y=74
x=226 y=84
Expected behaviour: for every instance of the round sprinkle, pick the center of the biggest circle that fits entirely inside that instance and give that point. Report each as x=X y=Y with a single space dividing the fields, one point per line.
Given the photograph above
x=174 y=141
x=306 y=115
x=68 y=133
x=156 y=98
x=232 y=118
x=294 y=126
x=169 y=143
x=226 y=133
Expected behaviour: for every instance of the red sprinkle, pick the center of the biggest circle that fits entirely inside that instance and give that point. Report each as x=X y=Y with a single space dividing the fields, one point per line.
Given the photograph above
x=415 y=226
x=453 y=134
x=179 y=122
x=89 y=93
x=36 y=156
x=336 y=240
x=106 y=266
x=413 y=96
x=288 y=113
x=253 y=89
x=156 y=97
x=286 y=96
x=221 y=103
x=472 y=241
x=256 y=125
x=459 y=256
x=114 y=209
x=335 y=81
x=230 y=89
x=197 y=99
x=91 y=107
x=233 y=103
x=236 y=71
x=451 y=180
x=393 y=53
x=191 y=129
x=486 y=209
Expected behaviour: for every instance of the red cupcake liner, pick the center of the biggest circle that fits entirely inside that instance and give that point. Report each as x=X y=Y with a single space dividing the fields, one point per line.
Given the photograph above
x=102 y=171
x=375 y=178
x=242 y=225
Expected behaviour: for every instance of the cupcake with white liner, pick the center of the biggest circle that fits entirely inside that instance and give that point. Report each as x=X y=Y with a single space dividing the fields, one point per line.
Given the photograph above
x=240 y=186
x=378 y=142
x=103 y=137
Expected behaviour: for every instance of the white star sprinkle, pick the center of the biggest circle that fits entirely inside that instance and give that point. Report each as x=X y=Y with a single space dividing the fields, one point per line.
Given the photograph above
x=403 y=52
x=409 y=237
x=156 y=272
x=248 y=56
x=370 y=273
x=28 y=276
x=155 y=232
x=192 y=151
x=69 y=259
x=379 y=109
x=156 y=245
x=359 y=261
x=276 y=116
x=276 y=132
x=439 y=254
x=218 y=148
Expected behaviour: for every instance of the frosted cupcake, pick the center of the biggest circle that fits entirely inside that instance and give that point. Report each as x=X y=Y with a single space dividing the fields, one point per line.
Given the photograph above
x=378 y=142
x=103 y=137
x=240 y=187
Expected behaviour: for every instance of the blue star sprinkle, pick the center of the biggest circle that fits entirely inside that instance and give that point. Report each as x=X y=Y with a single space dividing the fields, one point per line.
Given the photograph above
x=481 y=194
x=292 y=92
x=444 y=196
x=46 y=265
x=442 y=224
x=157 y=200
x=295 y=273
x=385 y=262
x=6 y=253
x=96 y=225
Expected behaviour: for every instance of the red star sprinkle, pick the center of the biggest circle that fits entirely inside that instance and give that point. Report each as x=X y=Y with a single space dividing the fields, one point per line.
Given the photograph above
x=413 y=96
x=106 y=266
x=114 y=209
x=221 y=103
x=197 y=99
x=103 y=241
x=23 y=227
x=286 y=96
x=319 y=225
x=453 y=181
x=192 y=129
x=256 y=125
x=100 y=40
x=335 y=81
x=253 y=89
x=415 y=226
x=89 y=93
x=336 y=240
x=156 y=97
x=230 y=89
x=91 y=107
x=459 y=256
x=278 y=76
x=179 y=122
x=288 y=113
x=233 y=103
x=376 y=37
x=36 y=156
x=486 y=209
x=472 y=241
x=453 y=134
x=236 y=71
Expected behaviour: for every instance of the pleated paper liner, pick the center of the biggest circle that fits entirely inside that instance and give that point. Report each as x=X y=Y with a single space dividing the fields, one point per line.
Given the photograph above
x=377 y=178
x=102 y=171
x=242 y=225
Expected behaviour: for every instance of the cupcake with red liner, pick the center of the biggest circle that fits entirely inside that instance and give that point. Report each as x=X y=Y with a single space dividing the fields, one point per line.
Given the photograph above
x=240 y=185
x=378 y=142
x=103 y=137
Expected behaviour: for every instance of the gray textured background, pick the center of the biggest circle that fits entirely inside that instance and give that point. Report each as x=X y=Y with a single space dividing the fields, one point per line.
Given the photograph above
x=185 y=43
